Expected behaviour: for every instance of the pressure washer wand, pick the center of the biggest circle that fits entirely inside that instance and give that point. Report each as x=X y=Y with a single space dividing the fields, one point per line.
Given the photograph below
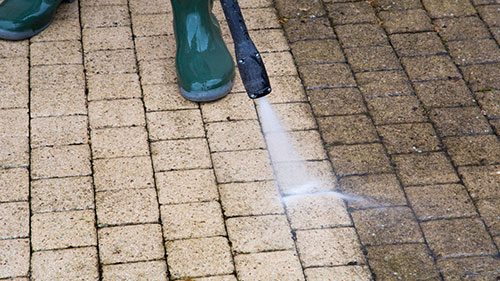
x=252 y=70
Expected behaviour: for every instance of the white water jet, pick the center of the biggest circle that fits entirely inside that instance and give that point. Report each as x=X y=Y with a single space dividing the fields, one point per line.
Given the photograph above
x=290 y=169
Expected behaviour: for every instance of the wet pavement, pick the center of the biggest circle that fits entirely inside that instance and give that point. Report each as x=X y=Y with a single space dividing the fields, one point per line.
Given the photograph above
x=107 y=173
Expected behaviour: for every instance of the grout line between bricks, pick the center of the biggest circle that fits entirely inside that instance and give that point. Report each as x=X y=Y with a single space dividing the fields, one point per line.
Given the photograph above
x=89 y=130
x=155 y=184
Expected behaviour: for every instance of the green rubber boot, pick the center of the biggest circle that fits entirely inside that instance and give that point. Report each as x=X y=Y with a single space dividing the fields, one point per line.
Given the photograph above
x=205 y=68
x=21 y=19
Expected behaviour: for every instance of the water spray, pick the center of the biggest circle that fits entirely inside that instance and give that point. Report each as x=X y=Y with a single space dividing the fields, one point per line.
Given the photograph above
x=250 y=65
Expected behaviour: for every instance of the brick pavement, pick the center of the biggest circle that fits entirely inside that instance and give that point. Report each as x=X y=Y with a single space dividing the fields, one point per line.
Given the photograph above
x=108 y=174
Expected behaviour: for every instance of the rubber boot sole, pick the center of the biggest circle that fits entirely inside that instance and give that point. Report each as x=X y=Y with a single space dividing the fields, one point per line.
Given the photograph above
x=210 y=95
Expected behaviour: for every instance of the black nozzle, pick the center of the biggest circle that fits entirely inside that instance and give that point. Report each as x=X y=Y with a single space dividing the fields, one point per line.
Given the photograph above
x=250 y=65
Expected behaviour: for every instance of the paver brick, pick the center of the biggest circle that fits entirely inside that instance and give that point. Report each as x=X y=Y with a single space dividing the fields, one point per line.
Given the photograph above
x=473 y=150
x=292 y=116
x=46 y=53
x=126 y=206
x=122 y=173
x=359 y=159
x=407 y=138
x=181 y=154
x=482 y=77
x=135 y=271
x=355 y=12
x=192 y=220
x=286 y=89
x=442 y=93
x=489 y=102
x=175 y=187
x=61 y=30
x=261 y=18
x=489 y=14
x=233 y=166
x=319 y=210
x=155 y=47
x=57 y=77
x=430 y=68
x=372 y=59
x=308 y=28
x=440 y=201
x=62 y=194
x=488 y=209
x=317 y=51
x=347 y=273
x=269 y=40
x=383 y=83
x=107 y=38
x=258 y=234
x=10 y=49
x=398 y=5
x=155 y=96
x=113 y=86
x=283 y=63
x=407 y=261
x=424 y=168
x=449 y=238
x=301 y=8
x=281 y=265
x=104 y=16
x=373 y=191
x=116 y=113
x=63 y=230
x=152 y=25
x=142 y=7
x=361 y=35
x=252 y=198
x=17 y=154
x=397 y=109
x=14 y=123
x=472 y=52
x=481 y=181
x=473 y=268
x=74 y=264
x=58 y=102
x=338 y=101
x=217 y=278
x=237 y=135
x=461 y=28
x=110 y=61
x=15 y=257
x=417 y=44
x=387 y=226
x=449 y=8
x=119 y=142
x=326 y=75
x=405 y=21
x=14 y=218
x=459 y=121
x=15 y=185
x=328 y=247
x=178 y=124
x=60 y=161
x=130 y=243
x=199 y=257
x=63 y=130
x=347 y=129
x=230 y=108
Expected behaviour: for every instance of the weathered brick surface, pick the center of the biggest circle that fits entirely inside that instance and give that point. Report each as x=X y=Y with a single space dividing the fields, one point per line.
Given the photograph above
x=107 y=173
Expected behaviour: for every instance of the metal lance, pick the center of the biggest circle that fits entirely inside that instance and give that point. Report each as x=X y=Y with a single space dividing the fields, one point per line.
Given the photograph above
x=250 y=65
